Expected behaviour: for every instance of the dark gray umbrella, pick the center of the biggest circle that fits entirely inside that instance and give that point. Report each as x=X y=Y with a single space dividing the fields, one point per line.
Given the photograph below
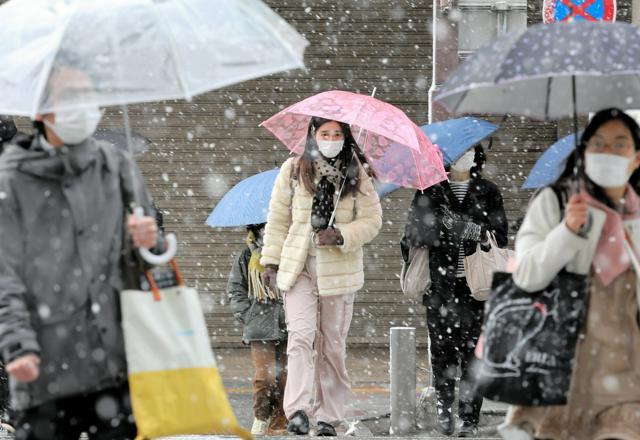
x=550 y=71
x=118 y=138
x=8 y=128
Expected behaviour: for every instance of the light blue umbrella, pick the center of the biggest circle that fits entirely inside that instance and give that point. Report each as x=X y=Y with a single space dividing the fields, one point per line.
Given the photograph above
x=551 y=163
x=456 y=136
x=247 y=203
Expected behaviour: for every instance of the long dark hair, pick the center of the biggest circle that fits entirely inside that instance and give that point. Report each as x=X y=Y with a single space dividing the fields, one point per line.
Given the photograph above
x=480 y=159
x=600 y=118
x=350 y=164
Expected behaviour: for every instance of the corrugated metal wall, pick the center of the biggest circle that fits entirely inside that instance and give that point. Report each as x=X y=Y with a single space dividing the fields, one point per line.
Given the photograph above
x=203 y=148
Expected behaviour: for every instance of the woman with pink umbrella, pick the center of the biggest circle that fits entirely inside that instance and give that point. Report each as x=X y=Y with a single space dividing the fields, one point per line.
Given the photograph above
x=318 y=264
x=323 y=210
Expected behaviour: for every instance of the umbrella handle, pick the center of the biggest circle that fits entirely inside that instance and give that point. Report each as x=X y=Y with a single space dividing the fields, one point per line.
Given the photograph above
x=167 y=256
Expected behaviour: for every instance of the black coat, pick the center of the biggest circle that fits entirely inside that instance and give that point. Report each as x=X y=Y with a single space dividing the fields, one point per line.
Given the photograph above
x=482 y=205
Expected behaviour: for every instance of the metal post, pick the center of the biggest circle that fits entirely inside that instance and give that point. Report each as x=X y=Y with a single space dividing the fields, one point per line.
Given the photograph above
x=403 y=380
x=445 y=53
x=502 y=8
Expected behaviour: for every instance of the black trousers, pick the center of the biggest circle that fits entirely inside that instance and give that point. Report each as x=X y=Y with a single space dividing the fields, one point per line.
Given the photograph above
x=103 y=415
x=454 y=320
x=5 y=399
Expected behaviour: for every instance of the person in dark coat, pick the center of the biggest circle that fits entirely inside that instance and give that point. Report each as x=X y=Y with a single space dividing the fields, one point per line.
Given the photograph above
x=6 y=414
x=62 y=227
x=8 y=130
x=450 y=219
x=8 y=133
x=261 y=312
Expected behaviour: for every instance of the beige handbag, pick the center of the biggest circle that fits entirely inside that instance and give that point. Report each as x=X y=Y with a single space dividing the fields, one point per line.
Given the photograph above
x=480 y=266
x=415 y=276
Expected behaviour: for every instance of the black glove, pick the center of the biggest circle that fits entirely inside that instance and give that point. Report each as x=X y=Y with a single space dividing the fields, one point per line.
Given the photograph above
x=449 y=218
x=469 y=231
x=460 y=228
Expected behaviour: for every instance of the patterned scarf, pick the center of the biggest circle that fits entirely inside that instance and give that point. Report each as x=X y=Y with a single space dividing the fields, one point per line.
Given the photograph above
x=329 y=179
x=611 y=259
x=257 y=289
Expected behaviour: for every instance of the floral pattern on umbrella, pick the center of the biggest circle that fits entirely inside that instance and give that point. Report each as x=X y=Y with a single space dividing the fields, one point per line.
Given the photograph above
x=398 y=151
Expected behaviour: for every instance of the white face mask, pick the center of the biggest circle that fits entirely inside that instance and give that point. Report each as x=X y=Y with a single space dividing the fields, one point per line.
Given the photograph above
x=465 y=162
x=330 y=149
x=607 y=170
x=75 y=126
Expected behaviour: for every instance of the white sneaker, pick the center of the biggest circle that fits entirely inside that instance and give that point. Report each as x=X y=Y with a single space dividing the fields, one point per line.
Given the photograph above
x=259 y=427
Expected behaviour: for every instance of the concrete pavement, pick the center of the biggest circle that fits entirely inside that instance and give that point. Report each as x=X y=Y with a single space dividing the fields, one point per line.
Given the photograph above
x=369 y=372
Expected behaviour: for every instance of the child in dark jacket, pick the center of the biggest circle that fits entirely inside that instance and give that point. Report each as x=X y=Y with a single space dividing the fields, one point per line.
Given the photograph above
x=261 y=312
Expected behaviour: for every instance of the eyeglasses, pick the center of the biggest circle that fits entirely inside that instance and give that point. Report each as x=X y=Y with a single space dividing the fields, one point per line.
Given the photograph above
x=620 y=146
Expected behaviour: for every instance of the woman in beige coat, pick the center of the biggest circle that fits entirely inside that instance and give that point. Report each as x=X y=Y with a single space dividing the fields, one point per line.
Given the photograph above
x=319 y=266
x=598 y=235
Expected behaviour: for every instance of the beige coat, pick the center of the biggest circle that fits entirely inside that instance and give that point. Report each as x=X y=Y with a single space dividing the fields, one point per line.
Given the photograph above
x=604 y=399
x=288 y=234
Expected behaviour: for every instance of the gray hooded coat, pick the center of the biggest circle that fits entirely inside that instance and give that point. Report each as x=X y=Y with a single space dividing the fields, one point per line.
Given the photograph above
x=262 y=320
x=61 y=234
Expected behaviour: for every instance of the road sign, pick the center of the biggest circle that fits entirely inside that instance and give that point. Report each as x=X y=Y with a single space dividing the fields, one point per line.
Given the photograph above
x=592 y=10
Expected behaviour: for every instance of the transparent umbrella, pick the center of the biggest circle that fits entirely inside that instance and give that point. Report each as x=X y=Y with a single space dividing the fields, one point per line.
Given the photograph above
x=136 y=50
x=70 y=54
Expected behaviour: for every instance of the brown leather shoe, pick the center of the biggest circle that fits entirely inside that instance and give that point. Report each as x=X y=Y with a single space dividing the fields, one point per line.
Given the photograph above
x=277 y=432
x=278 y=424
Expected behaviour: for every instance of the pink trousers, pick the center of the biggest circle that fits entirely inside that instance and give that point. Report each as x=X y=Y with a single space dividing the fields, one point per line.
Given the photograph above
x=316 y=349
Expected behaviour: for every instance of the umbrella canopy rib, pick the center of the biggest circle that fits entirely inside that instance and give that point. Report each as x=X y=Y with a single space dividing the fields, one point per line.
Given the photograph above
x=171 y=44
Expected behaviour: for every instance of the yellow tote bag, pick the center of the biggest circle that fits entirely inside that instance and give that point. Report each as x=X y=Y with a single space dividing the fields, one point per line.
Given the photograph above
x=173 y=378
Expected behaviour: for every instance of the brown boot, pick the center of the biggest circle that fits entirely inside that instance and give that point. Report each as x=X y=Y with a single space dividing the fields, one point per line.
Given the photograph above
x=278 y=425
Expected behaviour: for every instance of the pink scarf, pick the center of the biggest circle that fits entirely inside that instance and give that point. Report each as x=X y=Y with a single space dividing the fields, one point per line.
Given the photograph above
x=611 y=259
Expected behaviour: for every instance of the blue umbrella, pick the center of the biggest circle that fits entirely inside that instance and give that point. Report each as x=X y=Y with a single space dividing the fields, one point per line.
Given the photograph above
x=551 y=163
x=456 y=136
x=247 y=203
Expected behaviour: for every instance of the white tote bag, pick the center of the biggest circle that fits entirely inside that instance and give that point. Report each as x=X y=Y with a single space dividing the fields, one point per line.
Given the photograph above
x=173 y=377
x=415 y=276
x=480 y=266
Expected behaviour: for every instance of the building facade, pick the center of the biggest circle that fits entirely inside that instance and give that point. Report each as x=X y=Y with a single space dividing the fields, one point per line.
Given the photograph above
x=202 y=148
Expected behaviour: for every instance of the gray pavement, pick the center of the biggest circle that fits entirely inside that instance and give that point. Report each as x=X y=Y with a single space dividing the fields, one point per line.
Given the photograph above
x=369 y=372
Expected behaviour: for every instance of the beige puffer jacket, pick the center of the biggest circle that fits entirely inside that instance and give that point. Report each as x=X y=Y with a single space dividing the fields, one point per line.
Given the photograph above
x=288 y=234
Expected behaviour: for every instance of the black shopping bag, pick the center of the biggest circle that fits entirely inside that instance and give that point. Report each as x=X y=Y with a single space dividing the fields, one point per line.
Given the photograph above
x=529 y=340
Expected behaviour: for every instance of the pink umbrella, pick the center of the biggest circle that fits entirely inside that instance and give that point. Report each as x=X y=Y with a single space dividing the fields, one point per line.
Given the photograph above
x=396 y=148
